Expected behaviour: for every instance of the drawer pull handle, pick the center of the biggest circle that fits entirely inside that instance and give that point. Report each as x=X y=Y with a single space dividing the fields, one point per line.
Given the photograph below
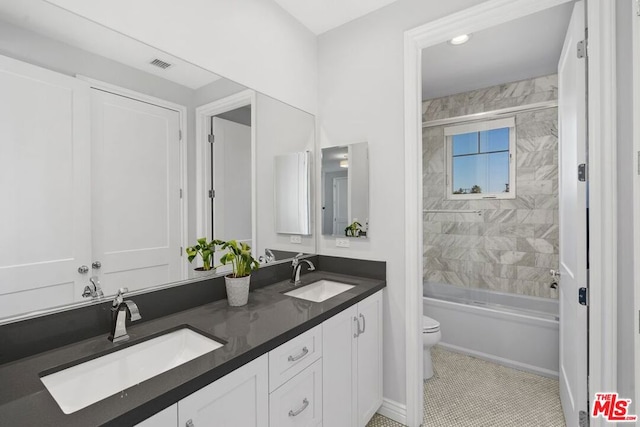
x=357 y=332
x=302 y=354
x=364 y=325
x=293 y=413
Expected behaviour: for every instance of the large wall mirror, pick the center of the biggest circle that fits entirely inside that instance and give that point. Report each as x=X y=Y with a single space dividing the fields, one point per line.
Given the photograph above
x=345 y=190
x=116 y=156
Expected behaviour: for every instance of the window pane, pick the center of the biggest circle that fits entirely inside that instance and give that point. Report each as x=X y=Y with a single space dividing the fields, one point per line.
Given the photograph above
x=465 y=143
x=494 y=140
x=481 y=173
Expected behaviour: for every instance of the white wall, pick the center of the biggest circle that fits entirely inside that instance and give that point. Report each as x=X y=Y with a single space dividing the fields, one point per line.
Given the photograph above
x=280 y=129
x=253 y=42
x=360 y=91
x=625 y=171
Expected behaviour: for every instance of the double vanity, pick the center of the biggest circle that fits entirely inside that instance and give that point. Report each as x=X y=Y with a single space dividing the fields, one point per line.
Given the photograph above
x=309 y=354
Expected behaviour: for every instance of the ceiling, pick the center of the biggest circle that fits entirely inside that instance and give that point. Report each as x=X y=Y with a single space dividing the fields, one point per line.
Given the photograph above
x=56 y=23
x=323 y=15
x=521 y=49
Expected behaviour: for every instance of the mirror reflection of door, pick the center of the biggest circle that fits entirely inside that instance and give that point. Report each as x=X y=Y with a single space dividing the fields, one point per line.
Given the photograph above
x=231 y=176
x=340 y=205
x=136 y=202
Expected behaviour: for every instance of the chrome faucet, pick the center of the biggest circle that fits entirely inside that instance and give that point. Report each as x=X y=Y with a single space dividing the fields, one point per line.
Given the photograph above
x=270 y=257
x=93 y=290
x=119 y=316
x=296 y=265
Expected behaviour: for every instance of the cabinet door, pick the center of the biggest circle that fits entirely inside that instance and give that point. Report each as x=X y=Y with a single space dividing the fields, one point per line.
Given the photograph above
x=369 y=365
x=165 y=418
x=240 y=398
x=298 y=402
x=45 y=187
x=338 y=369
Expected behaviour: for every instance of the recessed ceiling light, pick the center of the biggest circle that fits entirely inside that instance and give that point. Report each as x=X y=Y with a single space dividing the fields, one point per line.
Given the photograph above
x=461 y=39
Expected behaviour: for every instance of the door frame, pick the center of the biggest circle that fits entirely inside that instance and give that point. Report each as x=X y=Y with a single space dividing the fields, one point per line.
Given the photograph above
x=182 y=112
x=602 y=180
x=202 y=116
x=635 y=46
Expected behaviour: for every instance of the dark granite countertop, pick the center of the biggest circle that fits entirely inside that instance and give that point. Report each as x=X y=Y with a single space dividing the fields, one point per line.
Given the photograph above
x=268 y=320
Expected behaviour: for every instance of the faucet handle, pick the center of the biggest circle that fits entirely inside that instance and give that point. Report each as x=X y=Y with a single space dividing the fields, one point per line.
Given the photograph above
x=119 y=297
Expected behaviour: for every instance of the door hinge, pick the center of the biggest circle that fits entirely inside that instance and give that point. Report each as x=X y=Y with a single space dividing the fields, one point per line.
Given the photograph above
x=180 y=135
x=180 y=250
x=212 y=194
x=582 y=172
x=211 y=138
x=582 y=296
x=582 y=49
x=181 y=193
x=639 y=159
x=637 y=7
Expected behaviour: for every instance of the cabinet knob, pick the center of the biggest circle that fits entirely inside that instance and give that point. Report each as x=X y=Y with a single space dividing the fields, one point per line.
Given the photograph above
x=96 y=265
x=189 y=423
x=83 y=269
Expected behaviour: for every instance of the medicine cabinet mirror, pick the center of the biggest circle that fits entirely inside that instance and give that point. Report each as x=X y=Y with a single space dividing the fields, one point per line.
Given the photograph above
x=345 y=190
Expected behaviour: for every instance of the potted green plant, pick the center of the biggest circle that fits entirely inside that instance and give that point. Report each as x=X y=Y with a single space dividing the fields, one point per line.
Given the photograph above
x=353 y=230
x=205 y=249
x=243 y=263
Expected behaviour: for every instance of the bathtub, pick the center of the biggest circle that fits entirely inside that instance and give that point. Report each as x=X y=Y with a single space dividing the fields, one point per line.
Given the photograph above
x=518 y=331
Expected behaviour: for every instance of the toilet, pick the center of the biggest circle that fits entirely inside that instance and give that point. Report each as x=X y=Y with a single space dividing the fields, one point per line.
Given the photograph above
x=430 y=336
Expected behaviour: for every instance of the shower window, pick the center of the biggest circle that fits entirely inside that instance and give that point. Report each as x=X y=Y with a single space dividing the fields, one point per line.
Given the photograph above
x=481 y=160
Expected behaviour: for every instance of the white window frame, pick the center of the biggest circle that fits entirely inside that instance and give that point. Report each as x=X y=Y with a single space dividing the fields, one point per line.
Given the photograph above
x=485 y=125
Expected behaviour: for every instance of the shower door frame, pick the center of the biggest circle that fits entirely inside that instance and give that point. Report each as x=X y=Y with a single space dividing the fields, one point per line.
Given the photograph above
x=602 y=180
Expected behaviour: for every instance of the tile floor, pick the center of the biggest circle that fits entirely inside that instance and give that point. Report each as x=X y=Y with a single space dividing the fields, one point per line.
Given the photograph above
x=469 y=392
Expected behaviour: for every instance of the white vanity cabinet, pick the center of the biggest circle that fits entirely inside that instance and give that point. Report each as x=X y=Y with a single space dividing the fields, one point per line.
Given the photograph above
x=166 y=418
x=295 y=381
x=329 y=375
x=240 y=398
x=352 y=364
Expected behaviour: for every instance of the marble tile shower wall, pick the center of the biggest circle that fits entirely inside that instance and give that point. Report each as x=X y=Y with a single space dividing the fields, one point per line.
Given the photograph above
x=511 y=245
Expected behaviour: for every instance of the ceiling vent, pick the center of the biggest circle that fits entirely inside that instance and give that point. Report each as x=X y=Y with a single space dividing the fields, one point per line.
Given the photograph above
x=160 y=63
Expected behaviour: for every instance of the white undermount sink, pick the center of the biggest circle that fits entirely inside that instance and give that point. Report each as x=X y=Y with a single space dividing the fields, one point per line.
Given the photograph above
x=319 y=291
x=81 y=385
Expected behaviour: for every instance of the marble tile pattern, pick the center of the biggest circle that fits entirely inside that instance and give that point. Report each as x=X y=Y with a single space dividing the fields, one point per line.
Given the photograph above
x=512 y=244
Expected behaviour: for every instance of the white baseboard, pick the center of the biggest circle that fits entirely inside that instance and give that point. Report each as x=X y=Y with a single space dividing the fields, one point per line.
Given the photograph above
x=394 y=410
x=501 y=361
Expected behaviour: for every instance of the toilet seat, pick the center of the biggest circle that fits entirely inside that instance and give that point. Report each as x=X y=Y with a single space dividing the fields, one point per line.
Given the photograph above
x=430 y=325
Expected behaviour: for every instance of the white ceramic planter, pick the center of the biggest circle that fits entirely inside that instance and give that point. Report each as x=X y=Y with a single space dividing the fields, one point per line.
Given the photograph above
x=199 y=273
x=237 y=290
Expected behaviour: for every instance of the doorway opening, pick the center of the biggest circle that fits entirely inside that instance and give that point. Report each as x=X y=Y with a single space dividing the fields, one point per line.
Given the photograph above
x=472 y=21
x=226 y=153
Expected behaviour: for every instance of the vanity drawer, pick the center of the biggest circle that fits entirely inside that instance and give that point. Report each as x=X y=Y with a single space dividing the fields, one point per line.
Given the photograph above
x=293 y=356
x=299 y=401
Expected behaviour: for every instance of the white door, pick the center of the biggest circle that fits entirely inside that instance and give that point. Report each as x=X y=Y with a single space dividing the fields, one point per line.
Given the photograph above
x=340 y=205
x=44 y=182
x=231 y=180
x=573 y=222
x=136 y=220
x=240 y=398
x=369 y=358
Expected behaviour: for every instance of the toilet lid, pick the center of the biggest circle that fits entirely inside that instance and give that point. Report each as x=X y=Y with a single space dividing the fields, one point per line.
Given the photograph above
x=429 y=324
